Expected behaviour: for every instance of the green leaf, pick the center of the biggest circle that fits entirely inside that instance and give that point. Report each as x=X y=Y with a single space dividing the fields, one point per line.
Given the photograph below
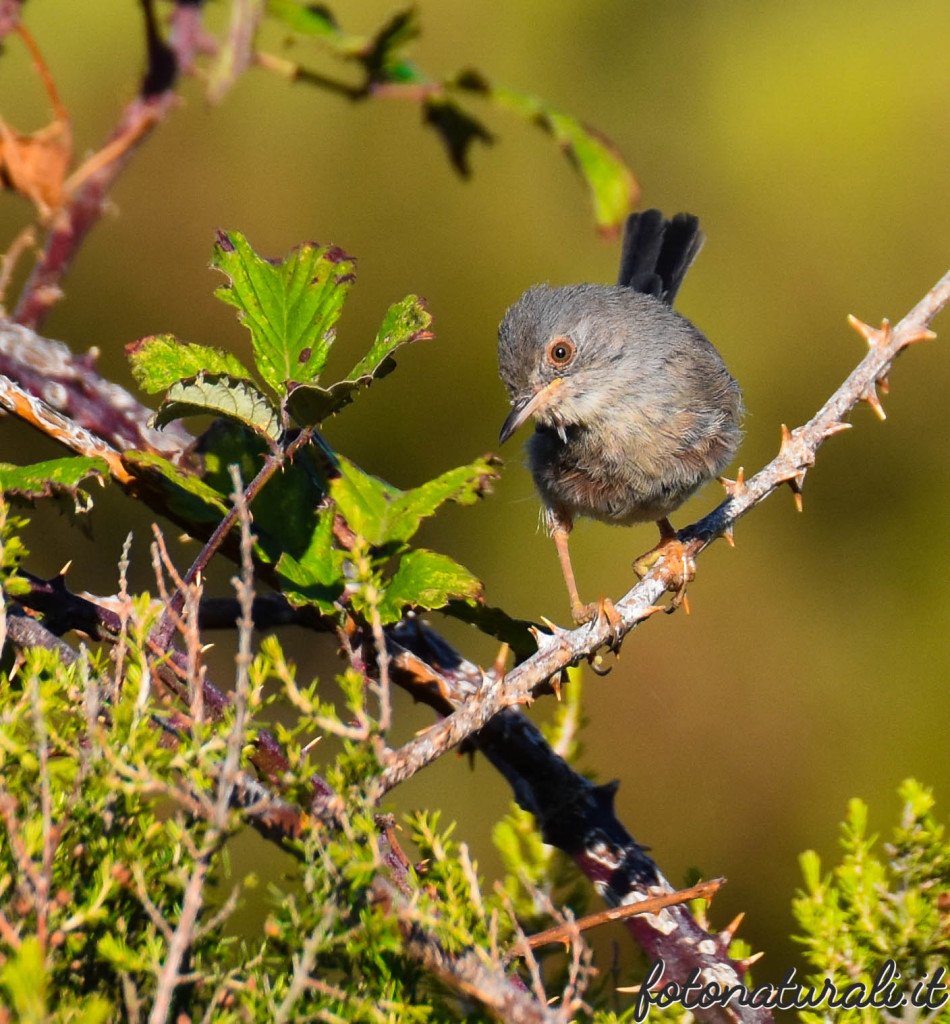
x=220 y=395
x=290 y=307
x=43 y=479
x=613 y=188
x=316 y=21
x=185 y=494
x=383 y=514
x=404 y=323
x=56 y=478
x=426 y=579
x=363 y=501
x=464 y=485
x=316 y=576
x=161 y=359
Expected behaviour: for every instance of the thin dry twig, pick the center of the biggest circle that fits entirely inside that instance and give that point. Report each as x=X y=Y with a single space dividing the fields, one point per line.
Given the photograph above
x=184 y=935
x=650 y=905
x=562 y=648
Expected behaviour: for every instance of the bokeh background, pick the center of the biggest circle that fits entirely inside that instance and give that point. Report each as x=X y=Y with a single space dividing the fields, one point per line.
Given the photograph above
x=813 y=140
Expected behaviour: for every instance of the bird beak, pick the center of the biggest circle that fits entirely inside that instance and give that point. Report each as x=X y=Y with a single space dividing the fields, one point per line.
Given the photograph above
x=527 y=407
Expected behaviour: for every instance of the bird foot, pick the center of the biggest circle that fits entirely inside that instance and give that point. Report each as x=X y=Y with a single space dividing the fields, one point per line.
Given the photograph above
x=679 y=566
x=605 y=613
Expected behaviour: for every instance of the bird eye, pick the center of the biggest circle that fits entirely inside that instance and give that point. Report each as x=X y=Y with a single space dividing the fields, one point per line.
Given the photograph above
x=560 y=351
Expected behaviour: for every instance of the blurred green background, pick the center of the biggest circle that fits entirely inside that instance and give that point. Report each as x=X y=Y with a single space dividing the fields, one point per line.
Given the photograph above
x=813 y=140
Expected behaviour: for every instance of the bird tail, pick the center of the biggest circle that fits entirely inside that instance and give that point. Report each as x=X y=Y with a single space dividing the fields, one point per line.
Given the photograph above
x=657 y=252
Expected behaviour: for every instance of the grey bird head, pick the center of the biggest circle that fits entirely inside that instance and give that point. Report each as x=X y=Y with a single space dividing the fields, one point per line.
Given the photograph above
x=578 y=355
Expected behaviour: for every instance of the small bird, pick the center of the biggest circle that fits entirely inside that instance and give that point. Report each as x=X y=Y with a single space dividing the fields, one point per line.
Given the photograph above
x=634 y=409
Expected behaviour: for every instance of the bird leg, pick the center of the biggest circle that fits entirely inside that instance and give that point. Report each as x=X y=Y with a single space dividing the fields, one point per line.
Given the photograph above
x=678 y=563
x=580 y=612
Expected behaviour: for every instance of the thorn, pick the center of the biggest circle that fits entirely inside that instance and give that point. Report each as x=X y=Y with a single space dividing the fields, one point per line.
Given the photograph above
x=884 y=384
x=870 y=396
x=875 y=336
x=546 y=642
x=651 y=609
x=501 y=659
x=730 y=538
x=743 y=965
x=922 y=334
x=65 y=569
x=629 y=989
x=796 y=483
x=786 y=441
x=205 y=647
x=555 y=682
x=728 y=933
x=685 y=603
x=835 y=428
x=556 y=630
x=734 y=487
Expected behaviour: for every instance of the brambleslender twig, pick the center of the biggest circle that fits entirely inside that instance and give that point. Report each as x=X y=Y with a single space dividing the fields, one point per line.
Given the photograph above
x=561 y=933
x=84 y=193
x=562 y=648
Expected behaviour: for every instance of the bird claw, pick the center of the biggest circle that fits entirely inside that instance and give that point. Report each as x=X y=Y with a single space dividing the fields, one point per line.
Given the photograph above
x=606 y=615
x=678 y=570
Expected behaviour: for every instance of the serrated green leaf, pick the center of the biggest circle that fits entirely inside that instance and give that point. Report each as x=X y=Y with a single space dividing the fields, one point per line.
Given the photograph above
x=161 y=359
x=289 y=307
x=404 y=323
x=613 y=188
x=316 y=576
x=363 y=501
x=56 y=478
x=383 y=514
x=426 y=579
x=464 y=485
x=220 y=395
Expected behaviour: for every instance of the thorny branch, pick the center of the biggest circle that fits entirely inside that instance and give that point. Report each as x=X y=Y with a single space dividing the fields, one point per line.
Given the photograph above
x=580 y=818
x=562 y=648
